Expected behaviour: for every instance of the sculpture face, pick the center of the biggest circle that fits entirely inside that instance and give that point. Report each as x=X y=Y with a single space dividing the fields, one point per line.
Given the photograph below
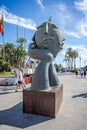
x=49 y=37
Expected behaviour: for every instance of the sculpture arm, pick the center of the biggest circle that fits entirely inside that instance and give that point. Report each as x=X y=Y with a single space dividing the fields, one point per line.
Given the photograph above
x=41 y=54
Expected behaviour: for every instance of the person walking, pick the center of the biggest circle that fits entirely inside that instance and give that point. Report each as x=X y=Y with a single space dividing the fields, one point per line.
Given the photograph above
x=15 y=74
x=84 y=73
x=20 y=80
x=81 y=72
x=76 y=73
x=23 y=74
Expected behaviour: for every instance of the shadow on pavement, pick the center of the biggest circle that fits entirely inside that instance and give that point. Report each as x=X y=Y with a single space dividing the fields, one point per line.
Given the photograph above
x=84 y=95
x=7 y=89
x=16 y=118
x=1 y=93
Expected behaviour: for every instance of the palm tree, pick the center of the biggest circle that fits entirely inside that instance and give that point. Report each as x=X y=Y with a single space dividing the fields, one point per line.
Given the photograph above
x=9 y=52
x=71 y=56
x=20 y=56
x=21 y=41
x=67 y=60
x=21 y=52
x=75 y=55
x=14 y=55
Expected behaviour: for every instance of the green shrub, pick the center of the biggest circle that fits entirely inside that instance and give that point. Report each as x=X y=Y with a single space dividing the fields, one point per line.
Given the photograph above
x=5 y=66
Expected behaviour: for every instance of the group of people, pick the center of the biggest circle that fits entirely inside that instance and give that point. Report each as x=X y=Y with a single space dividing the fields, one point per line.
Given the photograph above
x=19 y=79
x=82 y=72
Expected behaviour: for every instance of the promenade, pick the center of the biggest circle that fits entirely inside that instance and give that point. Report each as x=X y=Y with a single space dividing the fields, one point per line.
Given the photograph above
x=71 y=116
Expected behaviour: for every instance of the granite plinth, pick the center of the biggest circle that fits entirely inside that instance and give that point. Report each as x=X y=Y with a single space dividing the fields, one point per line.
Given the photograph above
x=45 y=103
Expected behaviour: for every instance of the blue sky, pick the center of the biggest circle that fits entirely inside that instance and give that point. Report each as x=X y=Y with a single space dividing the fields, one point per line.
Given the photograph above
x=69 y=15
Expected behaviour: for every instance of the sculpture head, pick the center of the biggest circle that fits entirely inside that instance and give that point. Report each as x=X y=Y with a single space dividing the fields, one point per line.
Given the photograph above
x=48 y=37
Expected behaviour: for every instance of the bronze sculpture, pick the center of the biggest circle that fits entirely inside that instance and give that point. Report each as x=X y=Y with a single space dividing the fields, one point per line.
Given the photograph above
x=47 y=42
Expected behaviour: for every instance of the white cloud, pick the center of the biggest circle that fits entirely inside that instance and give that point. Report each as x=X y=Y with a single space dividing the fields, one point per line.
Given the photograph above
x=64 y=18
x=73 y=34
x=82 y=26
x=40 y=3
x=14 y=19
x=81 y=5
x=61 y=14
x=64 y=15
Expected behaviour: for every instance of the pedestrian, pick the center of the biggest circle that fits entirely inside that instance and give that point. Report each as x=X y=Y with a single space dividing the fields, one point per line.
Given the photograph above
x=81 y=73
x=84 y=73
x=15 y=74
x=76 y=73
x=20 y=79
x=23 y=74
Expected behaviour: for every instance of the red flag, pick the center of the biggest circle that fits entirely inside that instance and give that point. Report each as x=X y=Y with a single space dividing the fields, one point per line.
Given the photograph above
x=2 y=25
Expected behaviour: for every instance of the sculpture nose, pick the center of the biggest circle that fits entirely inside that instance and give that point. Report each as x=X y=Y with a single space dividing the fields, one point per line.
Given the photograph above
x=46 y=28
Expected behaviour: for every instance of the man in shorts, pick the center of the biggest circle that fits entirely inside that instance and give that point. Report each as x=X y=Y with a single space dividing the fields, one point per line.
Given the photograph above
x=20 y=79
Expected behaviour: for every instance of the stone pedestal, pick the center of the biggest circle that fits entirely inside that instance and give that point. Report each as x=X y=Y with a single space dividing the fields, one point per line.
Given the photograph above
x=45 y=103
